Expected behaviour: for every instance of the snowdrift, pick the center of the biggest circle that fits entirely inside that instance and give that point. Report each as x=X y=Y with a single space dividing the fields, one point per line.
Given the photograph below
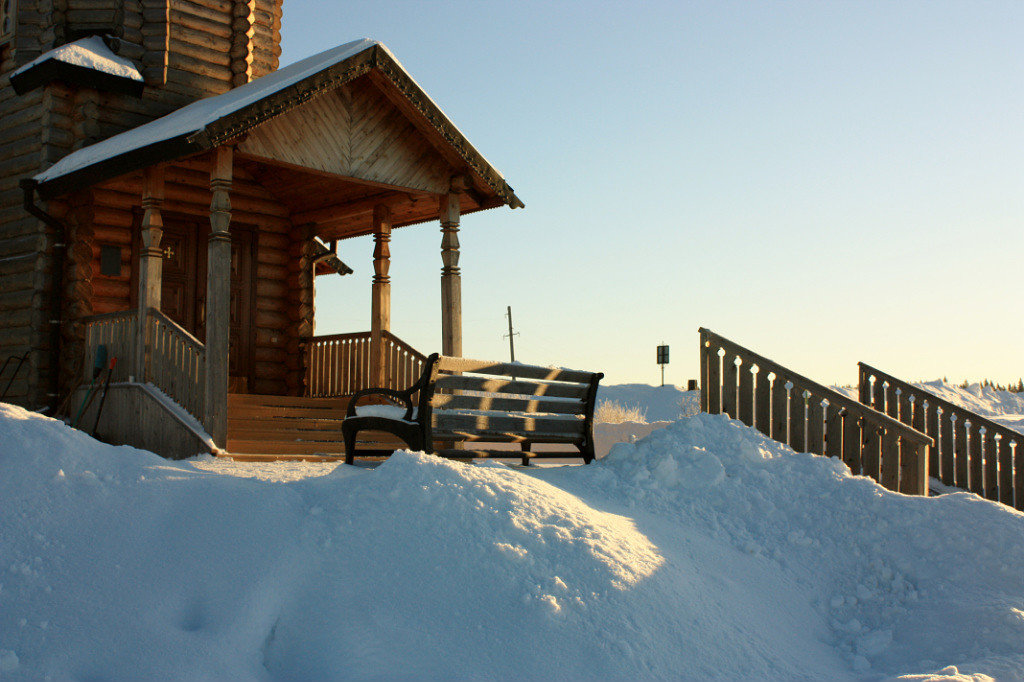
x=704 y=551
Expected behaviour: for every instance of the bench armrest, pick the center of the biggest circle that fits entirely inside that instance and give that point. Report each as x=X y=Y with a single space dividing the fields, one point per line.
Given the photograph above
x=404 y=396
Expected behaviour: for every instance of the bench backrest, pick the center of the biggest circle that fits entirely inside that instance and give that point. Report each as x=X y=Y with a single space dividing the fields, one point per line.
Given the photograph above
x=481 y=396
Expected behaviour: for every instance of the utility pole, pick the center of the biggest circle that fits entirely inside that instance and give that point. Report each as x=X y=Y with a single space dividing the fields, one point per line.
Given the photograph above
x=511 y=335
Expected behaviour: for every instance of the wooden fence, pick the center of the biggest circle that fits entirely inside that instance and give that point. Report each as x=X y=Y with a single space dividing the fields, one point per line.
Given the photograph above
x=809 y=417
x=173 y=360
x=339 y=364
x=968 y=451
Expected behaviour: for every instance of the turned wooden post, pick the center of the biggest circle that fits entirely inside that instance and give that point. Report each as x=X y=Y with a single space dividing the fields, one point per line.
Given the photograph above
x=218 y=298
x=381 y=303
x=151 y=261
x=451 y=280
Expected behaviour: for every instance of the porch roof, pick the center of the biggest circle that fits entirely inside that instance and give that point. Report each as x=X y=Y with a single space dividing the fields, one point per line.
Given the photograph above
x=211 y=122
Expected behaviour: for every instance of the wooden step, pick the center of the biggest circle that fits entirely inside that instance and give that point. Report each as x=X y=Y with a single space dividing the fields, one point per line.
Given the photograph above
x=269 y=426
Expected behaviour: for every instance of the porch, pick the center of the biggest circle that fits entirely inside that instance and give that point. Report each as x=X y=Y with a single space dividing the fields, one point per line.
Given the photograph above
x=155 y=351
x=194 y=242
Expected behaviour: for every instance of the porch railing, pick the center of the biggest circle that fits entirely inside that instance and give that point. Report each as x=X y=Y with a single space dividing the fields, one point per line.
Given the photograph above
x=174 y=360
x=339 y=364
x=809 y=417
x=119 y=333
x=969 y=451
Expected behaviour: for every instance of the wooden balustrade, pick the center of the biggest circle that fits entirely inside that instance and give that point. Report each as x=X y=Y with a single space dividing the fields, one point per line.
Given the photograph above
x=339 y=364
x=119 y=333
x=176 y=362
x=968 y=451
x=809 y=417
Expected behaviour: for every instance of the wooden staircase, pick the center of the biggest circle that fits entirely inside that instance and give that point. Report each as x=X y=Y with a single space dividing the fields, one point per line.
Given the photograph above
x=272 y=427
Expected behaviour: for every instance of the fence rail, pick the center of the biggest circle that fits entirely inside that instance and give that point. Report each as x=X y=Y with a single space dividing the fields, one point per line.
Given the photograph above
x=968 y=451
x=809 y=417
x=339 y=364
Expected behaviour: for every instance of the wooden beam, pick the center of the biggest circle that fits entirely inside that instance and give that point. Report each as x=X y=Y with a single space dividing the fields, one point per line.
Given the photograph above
x=451 y=279
x=380 y=321
x=333 y=214
x=218 y=298
x=151 y=258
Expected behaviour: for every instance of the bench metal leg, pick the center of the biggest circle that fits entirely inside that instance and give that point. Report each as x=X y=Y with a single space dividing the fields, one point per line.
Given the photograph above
x=526 y=448
x=587 y=450
x=349 y=435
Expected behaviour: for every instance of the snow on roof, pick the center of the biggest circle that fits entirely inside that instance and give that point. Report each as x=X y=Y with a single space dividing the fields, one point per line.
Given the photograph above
x=195 y=117
x=89 y=53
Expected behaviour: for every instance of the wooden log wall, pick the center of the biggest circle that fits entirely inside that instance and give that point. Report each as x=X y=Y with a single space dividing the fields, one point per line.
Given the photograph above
x=968 y=450
x=809 y=417
x=280 y=283
x=183 y=50
x=301 y=268
x=36 y=131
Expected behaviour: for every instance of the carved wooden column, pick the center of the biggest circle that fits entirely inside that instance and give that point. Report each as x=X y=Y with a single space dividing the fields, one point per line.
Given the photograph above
x=151 y=260
x=380 y=321
x=218 y=298
x=451 y=280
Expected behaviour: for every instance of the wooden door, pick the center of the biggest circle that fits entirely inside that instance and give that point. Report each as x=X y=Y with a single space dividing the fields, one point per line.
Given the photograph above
x=183 y=290
x=179 y=281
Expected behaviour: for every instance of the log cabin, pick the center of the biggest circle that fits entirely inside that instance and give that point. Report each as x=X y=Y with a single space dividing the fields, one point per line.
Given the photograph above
x=170 y=194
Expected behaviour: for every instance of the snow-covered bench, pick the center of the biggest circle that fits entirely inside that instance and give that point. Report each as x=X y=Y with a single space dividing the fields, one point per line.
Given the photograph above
x=458 y=400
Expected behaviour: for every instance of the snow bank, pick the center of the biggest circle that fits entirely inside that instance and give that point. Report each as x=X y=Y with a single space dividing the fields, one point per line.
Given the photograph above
x=660 y=403
x=704 y=551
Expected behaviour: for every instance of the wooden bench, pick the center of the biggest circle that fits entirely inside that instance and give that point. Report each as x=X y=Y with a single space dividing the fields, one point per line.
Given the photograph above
x=458 y=400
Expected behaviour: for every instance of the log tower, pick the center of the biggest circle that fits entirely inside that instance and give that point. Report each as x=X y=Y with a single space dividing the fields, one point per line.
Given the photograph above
x=83 y=71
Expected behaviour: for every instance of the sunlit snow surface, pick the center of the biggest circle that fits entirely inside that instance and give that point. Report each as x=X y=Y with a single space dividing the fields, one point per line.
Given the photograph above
x=702 y=552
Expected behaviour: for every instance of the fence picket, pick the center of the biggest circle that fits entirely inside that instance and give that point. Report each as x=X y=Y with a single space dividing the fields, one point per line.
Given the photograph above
x=797 y=419
x=763 y=403
x=991 y=465
x=853 y=441
x=961 y=470
x=815 y=425
x=834 y=432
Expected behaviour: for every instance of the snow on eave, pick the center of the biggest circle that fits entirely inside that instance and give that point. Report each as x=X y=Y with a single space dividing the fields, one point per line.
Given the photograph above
x=90 y=53
x=213 y=121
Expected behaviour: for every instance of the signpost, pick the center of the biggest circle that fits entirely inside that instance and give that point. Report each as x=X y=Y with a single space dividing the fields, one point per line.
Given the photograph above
x=662 y=360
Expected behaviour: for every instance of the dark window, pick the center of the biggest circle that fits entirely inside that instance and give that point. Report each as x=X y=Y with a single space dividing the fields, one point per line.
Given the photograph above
x=110 y=260
x=8 y=12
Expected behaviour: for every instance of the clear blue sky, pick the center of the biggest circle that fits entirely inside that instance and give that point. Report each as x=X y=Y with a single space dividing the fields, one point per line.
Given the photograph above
x=822 y=182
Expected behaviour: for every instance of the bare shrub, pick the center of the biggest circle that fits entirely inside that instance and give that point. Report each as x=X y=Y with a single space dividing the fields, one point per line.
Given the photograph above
x=689 y=406
x=611 y=412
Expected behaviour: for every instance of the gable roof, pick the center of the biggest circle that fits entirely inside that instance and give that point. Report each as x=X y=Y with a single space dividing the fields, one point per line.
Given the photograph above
x=210 y=122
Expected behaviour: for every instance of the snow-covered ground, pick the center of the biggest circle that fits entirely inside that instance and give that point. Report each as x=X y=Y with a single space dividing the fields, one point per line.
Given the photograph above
x=704 y=551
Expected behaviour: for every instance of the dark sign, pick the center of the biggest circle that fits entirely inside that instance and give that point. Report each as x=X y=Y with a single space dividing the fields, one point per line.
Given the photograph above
x=662 y=355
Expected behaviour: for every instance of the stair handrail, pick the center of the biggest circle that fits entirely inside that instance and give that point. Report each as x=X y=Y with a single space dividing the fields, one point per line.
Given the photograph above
x=970 y=471
x=404 y=346
x=179 y=373
x=184 y=333
x=891 y=452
